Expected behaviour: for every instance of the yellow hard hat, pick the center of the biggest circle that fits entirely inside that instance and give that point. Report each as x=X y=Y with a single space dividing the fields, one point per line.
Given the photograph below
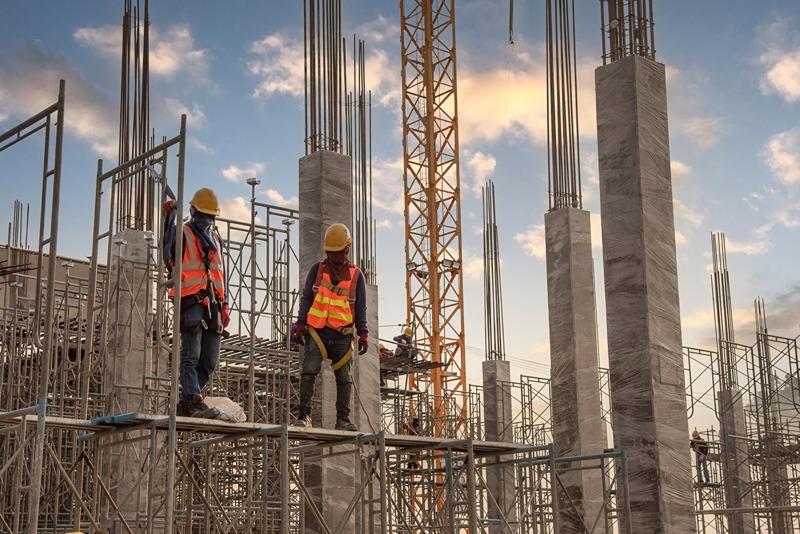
x=695 y=434
x=205 y=201
x=407 y=331
x=380 y=345
x=337 y=237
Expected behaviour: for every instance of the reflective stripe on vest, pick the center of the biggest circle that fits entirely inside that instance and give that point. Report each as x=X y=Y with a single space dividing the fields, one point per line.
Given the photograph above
x=331 y=306
x=194 y=275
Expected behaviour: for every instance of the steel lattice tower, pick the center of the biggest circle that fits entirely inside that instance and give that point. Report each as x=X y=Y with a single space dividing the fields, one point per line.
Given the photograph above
x=432 y=205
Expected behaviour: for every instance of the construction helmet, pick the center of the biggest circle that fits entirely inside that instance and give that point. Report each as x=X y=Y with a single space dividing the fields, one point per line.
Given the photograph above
x=380 y=345
x=695 y=434
x=337 y=237
x=407 y=331
x=205 y=201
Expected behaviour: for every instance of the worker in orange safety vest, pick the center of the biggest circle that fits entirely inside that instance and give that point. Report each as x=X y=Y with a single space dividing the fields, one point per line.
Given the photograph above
x=333 y=307
x=202 y=289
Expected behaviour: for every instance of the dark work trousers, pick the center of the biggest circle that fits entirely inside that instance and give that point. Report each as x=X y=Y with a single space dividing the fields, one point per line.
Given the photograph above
x=199 y=352
x=337 y=347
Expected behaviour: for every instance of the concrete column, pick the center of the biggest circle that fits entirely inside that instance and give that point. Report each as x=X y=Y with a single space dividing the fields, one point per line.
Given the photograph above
x=325 y=198
x=126 y=363
x=498 y=417
x=578 y=427
x=641 y=284
x=736 y=468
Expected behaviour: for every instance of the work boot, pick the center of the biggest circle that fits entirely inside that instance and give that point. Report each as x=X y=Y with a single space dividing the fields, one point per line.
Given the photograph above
x=198 y=408
x=302 y=420
x=182 y=410
x=343 y=423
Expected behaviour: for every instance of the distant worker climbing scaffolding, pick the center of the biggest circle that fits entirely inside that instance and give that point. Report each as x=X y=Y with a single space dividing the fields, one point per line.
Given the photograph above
x=700 y=448
x=203 y=293
x=332 y=307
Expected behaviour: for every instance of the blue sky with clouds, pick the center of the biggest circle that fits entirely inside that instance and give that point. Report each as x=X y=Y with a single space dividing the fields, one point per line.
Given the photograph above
x=236 y=69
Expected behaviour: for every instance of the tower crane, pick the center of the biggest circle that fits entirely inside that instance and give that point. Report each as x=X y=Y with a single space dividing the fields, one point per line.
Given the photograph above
x=434 y=281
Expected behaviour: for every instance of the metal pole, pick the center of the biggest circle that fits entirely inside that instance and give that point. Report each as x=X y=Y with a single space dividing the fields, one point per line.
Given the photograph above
x=38 y=457
x=176 y=335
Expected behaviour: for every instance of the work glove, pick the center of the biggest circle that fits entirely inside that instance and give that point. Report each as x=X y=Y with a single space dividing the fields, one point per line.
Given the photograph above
x=168 y=205
x=300 y=334
x=363 y=343
x=226 y=316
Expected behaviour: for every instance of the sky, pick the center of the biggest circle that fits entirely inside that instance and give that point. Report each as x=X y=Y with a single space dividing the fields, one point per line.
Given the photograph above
x=236 y=70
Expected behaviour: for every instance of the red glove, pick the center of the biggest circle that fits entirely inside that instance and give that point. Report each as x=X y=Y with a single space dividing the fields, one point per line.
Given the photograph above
x=300 y=334
x=226 y=317
x=168 y=205
x=363 y=343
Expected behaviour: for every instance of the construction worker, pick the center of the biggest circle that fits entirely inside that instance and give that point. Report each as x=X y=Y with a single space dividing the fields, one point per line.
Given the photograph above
x=412 y=428
x=204 y=302
x=333 y=306
x=404 y=343
x=700 y=448
x=384 y=352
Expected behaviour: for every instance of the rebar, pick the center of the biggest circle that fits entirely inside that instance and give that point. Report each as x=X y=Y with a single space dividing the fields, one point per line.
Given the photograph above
x=629 y=30
x=563 y=139
x=492 y=286
x=324 y=75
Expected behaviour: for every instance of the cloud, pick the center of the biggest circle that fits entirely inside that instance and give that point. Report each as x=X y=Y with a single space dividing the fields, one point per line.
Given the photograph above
x=688 y=107
x=29 y=83
x=513 y=101
x=279 y=59
x=532 y=241
x=686 y=214
x=387 y=185
x=781 y=153
x=473 y=268
x=780 y=58
x=172 y=52
x=596 y=230
x=275 y=198
x=237 y=209
x=704 y=131
x=680 y=169
x=278 y=66
x=755 y=248
x=480 y=167
x=238 y=174
x=165 y=115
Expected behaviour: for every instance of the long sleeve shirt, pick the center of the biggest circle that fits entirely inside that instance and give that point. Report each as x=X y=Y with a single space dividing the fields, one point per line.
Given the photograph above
x=359 y=306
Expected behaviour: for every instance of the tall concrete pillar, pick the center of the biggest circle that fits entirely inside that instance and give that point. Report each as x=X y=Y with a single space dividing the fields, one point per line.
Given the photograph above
x=736 y=467
x=326 y=198
x=578 y=427
x=498 y=416
x=127 y=360
x=641 y=285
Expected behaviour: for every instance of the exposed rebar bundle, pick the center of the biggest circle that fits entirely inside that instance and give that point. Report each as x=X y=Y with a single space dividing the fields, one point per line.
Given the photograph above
x=627 y=27
x=563 y=156
x=358 y=141
x=135 y=195
x=492 y=287
x=324 y=74
x=723 y=312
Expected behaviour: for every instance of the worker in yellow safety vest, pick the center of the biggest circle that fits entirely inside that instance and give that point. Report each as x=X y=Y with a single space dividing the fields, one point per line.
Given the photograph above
x=333 y=308
x=203 y=293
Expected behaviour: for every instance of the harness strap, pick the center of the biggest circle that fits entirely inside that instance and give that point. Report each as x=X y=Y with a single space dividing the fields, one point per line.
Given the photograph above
x=351 y=295
x=324 y=351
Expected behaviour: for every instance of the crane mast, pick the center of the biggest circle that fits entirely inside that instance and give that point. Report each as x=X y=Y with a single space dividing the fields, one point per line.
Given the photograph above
x=434 y=281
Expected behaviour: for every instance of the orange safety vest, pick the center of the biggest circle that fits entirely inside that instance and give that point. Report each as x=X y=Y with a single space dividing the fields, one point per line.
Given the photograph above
x=195 y=275
x=331 y=306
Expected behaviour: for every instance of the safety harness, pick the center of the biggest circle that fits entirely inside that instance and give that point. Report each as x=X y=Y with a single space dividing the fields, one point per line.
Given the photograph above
x=344 y=330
